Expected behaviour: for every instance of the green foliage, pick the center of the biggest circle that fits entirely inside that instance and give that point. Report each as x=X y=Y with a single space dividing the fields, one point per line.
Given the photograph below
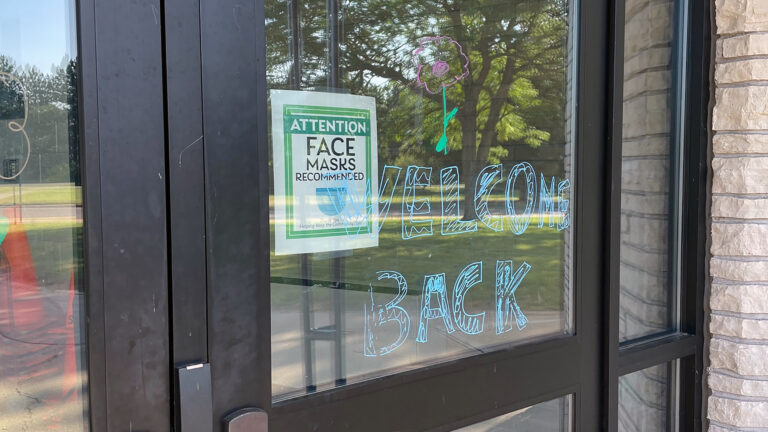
x=52 y=121
x=515 y=93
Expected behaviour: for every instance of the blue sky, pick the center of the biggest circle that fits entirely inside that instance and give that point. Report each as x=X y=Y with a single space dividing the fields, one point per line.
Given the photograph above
x=37 y=32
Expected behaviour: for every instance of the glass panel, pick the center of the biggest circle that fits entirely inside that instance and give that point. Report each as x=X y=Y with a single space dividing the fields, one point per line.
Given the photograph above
x=650 y=169
x=551 y=416
x=42 y=347
x=420 y=207
x=645 y=399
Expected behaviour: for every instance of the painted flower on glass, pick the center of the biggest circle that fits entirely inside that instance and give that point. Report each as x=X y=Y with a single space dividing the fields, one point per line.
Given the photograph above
x=440 y=63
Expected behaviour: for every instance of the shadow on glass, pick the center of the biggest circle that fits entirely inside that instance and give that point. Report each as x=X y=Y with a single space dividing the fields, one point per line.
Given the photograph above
x=551 y=416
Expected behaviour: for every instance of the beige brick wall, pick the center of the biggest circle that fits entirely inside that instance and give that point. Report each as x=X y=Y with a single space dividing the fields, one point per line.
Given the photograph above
x=738 y=349
x=647 y=142
x=645 y=163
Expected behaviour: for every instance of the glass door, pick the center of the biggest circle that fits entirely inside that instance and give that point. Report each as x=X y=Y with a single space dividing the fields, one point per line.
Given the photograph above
x=421 y=177
x=402 y=210
x=43 y=351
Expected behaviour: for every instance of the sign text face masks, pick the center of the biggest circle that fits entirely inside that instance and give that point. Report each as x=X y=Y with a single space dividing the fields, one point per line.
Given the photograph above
x=319 y=139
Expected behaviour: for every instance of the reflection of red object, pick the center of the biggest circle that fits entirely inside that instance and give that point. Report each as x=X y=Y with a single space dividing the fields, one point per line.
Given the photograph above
x=69 y=387
x=37 y=328
x=20 y=301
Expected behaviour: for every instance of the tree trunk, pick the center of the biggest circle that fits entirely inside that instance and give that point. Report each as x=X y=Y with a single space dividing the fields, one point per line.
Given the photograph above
x=468 y=165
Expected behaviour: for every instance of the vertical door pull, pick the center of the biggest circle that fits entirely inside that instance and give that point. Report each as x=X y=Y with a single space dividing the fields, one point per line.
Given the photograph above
x=246 y=420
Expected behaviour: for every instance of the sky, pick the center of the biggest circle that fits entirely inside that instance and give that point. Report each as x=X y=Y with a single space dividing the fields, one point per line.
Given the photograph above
x=37 y=32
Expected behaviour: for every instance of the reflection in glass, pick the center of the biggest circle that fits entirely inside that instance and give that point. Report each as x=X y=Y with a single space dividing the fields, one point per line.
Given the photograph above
x=42 y=349
x=473 y=111
x=645 y=399
x=650 y=158
x=551 y=416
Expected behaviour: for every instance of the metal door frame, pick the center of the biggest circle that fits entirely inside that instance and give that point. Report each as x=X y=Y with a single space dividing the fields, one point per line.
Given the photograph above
x=175 y=128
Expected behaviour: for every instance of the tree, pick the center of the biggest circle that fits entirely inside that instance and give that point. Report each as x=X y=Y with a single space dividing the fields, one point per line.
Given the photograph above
x=52 y=119
x=514 y=93
x=516 y=86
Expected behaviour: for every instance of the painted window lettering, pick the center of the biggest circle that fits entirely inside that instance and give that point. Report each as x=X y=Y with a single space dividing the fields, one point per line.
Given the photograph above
x=435 y=305
x=525 y=196
x=551 y=200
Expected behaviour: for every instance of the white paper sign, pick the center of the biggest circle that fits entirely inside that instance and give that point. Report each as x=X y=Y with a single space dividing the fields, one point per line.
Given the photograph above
x=325 y=171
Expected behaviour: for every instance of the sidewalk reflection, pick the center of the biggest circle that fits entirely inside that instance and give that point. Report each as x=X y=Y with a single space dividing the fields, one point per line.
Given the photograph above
x=41 y=386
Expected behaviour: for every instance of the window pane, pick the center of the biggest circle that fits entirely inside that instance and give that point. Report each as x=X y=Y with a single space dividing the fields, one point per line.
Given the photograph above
x=645 y=399
x=421 y=183
x=552 y=416
x=42 y=346
x=649 y=182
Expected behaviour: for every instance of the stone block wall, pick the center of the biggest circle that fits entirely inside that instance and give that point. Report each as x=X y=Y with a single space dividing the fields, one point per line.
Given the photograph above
x=738 y=348
x=642 y=400
x=646 y=181
x=645 y=168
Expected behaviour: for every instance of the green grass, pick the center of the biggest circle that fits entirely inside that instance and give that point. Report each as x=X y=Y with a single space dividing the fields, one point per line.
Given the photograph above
x=433 y=193
x=40 y=194
x=51 y=225
x=542 y=248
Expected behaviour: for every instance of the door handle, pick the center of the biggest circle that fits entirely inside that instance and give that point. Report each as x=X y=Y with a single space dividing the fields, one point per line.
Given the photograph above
x=247 y=420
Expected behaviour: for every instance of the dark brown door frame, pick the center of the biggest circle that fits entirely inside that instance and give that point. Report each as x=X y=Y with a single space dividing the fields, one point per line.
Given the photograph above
x=124 y=193
x=175 y=129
